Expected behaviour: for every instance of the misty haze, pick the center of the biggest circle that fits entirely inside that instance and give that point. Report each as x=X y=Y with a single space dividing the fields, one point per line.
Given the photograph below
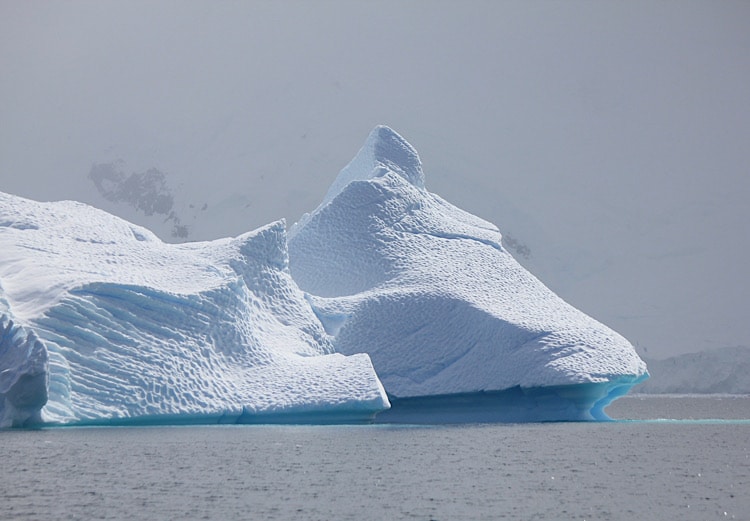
x=561 y=273
x=607 y=141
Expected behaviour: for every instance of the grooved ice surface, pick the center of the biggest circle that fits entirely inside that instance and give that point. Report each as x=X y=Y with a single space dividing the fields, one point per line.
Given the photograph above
x=101 y=322
x=427 y=290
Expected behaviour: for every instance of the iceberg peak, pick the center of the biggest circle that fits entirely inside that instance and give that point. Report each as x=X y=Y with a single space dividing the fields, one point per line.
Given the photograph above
x=445 y=313
x=384 y=151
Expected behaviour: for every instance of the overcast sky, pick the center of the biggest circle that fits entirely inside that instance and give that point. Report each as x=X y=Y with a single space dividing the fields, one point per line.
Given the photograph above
x=610 y=138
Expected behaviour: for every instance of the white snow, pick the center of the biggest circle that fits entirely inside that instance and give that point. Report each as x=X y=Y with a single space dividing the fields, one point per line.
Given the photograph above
x=113 y=324
x=430 y=294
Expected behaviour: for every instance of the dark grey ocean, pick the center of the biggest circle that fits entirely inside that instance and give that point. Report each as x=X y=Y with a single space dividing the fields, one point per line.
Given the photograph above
x=667 y=458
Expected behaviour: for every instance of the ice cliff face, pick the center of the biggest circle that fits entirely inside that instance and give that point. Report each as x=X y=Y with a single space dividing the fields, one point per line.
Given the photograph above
x=101 y=322
x=428 y=291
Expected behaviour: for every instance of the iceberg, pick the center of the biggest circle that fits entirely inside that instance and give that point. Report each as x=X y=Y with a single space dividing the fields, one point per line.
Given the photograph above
x=456 y=329
x=385 y=303
x=103 y=323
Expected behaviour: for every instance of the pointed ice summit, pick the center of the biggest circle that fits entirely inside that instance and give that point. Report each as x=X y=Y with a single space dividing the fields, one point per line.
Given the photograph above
x=101 y=323
x=457 y=330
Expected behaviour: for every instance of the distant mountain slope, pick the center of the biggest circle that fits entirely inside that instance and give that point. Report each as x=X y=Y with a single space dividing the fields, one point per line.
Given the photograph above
x=724 y=370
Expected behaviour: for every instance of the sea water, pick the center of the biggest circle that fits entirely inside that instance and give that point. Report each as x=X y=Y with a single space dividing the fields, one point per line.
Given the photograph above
x=667 y=458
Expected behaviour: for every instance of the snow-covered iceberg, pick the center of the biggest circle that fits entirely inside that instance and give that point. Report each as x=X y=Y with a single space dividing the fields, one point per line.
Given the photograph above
x=457 y=330
x=407 y=299
x=101 y=322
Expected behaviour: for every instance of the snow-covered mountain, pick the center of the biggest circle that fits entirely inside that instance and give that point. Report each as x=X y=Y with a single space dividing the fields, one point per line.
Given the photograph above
x=724 y=371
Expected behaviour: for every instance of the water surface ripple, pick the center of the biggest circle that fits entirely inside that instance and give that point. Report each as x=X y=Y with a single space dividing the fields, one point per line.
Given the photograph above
x=674 y=468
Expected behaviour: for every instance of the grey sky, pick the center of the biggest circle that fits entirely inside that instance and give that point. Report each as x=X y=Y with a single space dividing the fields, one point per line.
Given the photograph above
x=611 y=138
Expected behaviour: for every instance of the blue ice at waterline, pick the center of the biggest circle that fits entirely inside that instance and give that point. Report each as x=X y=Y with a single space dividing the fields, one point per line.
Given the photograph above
x=581 y=402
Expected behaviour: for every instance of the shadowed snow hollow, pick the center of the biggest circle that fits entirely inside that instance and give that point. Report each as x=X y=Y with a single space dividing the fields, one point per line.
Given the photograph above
x=102 y=322
x=427 y=290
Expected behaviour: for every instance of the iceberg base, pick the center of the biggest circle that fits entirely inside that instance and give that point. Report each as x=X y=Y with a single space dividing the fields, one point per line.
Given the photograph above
x=333 y=417
x=579 y=402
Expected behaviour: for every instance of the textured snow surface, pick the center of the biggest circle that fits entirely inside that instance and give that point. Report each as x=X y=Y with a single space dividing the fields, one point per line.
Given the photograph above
x=100 y=321
x=427 y=290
